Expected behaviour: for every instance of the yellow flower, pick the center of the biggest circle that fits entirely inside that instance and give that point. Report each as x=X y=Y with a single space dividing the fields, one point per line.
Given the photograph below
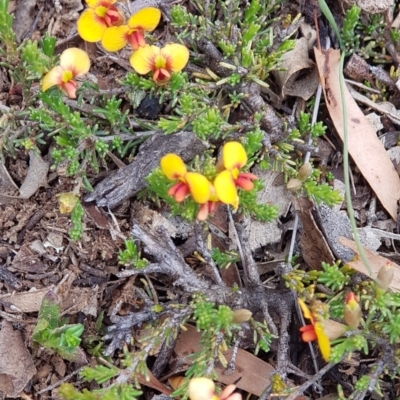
x=194 y=183
x=322 y=330
x=204 y=389
x=73 y=62
x=67 y=201
x=234 y=158
x=162 y=62
x=117 y=37
x=97 y=18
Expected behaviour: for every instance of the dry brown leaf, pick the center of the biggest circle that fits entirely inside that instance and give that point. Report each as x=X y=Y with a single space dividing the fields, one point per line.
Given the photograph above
x=26 y=302
x=293 y=62
x=36 y=176
x=364 y=146
x=315 y=249
x=16 y=364
x=375 y=261
x=252 y=372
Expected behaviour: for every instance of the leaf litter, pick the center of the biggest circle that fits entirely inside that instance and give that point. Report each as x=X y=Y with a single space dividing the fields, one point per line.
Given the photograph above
x=87 y=276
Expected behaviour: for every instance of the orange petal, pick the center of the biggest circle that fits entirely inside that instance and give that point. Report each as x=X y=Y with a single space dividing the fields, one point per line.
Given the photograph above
x=323 y=341
x=75 y=60
x=202 y=215
x=199 y=187
x=90 y=26
x=179 y=191
x=244 y=181
x=308 y=333
x=115 y=38
x=234 y=155
x=225 y=188
x=228 y=390
x=52 y=78
x=306 y=311
x=177 y=56
x=69 y=88
x=146 y=19
x=173 y=166
x=142 y=60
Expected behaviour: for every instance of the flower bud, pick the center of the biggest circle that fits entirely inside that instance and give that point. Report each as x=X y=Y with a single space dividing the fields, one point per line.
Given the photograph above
x=294 y=185
x=385 y=276
x=305 y=171
x=333 y=329
x=352 y=311
x=241 y=315
x=201 y=389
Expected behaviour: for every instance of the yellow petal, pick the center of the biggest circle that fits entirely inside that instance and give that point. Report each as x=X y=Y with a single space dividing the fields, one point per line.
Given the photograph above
x=173 y=166
x=75 y=60
x=142 y=60
x=323 y=341
x=201 y=389
x=226 y=189
x=52 y=78
x=115 y=38
x=234 y=155
x=199 y=187
x=176 y=55
x=306 y=311
x=90 y=26
x=146 y=19
x=96 y=3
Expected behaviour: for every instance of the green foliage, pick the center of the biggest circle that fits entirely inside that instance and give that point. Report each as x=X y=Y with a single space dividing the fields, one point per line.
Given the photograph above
x=261 y=336
x=53 y=333
x=212 y=319
x=131 y=256
x=322 y=193
x=333 y=277
x=350 y=39
x=99 y=373
x=224 y=259
x=249 y=205
x=348 y=345
x=7 y=35
x=121 y=392
x=75 y=233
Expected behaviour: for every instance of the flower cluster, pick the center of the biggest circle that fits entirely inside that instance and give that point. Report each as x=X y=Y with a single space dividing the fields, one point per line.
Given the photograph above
x=103 y=21
x=324 y=330
x=204 y=192
x=204 y=389
x=74 y=62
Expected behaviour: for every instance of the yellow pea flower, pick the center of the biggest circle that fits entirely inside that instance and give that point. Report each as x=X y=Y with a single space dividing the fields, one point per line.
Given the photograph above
x=117 y=37
x=322 y=330
x=204 y=389
x=233 y=158
x=160 y=61
x=97 y=18
x=194 y=183
x=73 y=62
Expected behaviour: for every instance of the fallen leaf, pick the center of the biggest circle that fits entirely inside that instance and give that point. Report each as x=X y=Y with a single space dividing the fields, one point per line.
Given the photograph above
x=26 y=302
x=293 y=62
x=251 y=373
x=364 y=146
x=375 y=261
x=16 y=364
x=36 y=176
x=315 y=249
